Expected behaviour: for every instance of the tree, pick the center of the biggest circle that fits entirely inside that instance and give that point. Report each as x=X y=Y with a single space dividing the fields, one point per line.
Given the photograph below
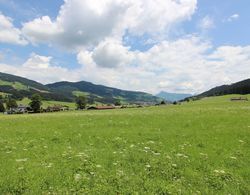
x=36 y=103
x=163 y=102
x=81 y=102
x=2 y=108
x=11 y=103
x=118 y=102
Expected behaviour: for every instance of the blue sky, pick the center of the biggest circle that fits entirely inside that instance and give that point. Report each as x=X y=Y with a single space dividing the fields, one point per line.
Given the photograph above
x=152 y=46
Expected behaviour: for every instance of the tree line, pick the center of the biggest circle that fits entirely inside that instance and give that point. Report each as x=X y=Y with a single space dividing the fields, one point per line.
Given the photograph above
x=8 y=103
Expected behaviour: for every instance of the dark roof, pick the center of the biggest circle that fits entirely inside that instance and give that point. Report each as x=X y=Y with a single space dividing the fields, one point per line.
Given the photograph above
x=101 y=107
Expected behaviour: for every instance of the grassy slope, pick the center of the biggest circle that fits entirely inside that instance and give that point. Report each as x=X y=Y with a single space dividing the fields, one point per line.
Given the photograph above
x=199 y=147
x=15 y=85
x=45 y=104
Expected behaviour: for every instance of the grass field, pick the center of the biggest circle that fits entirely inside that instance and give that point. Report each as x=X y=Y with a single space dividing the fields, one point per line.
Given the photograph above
x=45 y=104
x=201 y=147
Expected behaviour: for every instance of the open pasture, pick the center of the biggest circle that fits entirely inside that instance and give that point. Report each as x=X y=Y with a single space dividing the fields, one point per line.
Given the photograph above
x=200 y=147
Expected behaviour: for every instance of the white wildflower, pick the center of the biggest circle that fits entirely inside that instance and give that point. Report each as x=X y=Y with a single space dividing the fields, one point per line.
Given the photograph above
x=77 y=177
x=174 y=165
x=21 y=160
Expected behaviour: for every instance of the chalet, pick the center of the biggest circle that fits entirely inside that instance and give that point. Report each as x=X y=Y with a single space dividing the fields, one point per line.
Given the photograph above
x=239 y=99
x=56 y=108
x=101 y=107
x=21 y=109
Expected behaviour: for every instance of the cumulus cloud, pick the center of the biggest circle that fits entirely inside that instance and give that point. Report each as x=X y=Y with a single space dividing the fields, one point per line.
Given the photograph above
x=189 y=65
x=40 y=68
x=111 y=54
x=94 y=30
x=87 y=23
x=38 y=62
x=8 y=33
x=184 y=65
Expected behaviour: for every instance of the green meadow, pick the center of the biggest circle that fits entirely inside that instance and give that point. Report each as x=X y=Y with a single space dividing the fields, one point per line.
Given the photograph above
x=200 y=147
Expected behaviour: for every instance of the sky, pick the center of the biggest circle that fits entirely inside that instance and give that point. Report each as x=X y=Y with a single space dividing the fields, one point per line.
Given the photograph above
x=181 y=46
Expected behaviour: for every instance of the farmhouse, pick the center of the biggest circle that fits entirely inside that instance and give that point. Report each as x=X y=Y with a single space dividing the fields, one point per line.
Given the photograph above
x=101 y=107
x=239 y=99
x=56 y=108
x=21 y=109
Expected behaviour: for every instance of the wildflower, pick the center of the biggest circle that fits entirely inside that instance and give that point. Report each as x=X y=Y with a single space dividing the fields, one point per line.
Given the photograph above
x=148 y=166
x=21 y=160
x=219 y=171
x=174 y=165
x=156 y=153
x=77 y=177
x=49 y=165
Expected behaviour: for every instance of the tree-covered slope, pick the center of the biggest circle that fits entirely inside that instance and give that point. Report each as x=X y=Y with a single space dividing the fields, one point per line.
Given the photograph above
x=19 y=88
x=102 y=93
x=242 y=87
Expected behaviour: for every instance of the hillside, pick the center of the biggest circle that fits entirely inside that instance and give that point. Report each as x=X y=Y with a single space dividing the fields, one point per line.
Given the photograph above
x=19 y=88
x=242 y=87
x=100 y=93
x=172 y=96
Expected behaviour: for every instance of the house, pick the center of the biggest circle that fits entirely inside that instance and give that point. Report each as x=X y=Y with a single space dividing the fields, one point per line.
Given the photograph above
x=239 y=99
x=56 y=108
x=21 y=109
x=101 y=107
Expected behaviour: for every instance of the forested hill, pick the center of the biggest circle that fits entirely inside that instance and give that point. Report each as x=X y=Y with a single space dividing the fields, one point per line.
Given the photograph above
x=102 y=93
x=242 y=87
x=19 y=87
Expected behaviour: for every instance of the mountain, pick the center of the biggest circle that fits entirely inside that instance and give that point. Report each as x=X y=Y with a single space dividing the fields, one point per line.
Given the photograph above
x=19 y=87
x=172 y=96
x=242 y=87
x=100 y=93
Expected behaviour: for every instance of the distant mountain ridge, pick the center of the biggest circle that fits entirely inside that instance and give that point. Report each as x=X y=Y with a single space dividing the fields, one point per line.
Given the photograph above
x=101 y=93
x=172 y=96
x=19 y=87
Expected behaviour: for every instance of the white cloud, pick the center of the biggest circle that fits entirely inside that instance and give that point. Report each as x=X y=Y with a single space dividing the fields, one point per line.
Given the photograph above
x=233 y=17
x=8 y=33
x=207 y=23
x=40 y=68
x=111 y=54
x=38 y=62
x=187 y=65
x=87 y=23
x=94 y=30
